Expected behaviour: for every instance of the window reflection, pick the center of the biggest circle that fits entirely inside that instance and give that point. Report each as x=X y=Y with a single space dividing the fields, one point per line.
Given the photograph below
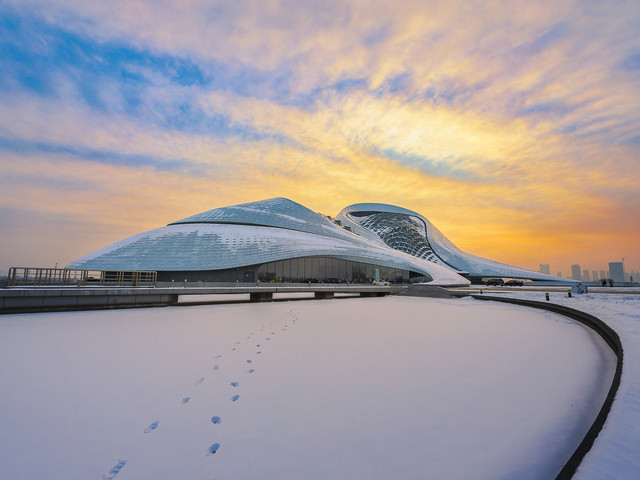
x=333 y=270
x=300 y=270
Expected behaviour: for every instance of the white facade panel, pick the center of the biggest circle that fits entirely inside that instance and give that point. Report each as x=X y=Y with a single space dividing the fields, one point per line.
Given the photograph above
x=380 y=222
x=252 y=234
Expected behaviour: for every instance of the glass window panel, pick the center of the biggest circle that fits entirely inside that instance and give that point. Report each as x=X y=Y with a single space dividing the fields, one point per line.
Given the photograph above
x=286 y=270
x=370 y=273
x=322 y=268
x=328 y=267
x=328 y=271
x=308 y=268
x=325 y=267
x=335 y=268
x=359 y=272
x=395 y=275
x=384 y=274
x=264 y=274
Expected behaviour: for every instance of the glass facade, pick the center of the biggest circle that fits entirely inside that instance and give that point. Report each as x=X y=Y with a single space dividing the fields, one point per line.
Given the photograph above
x=332 y=270
x=402 y=232
x=300 y=270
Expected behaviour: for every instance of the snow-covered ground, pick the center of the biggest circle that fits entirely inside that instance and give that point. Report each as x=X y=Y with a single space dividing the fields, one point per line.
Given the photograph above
x=395 y=387
x=615 y=454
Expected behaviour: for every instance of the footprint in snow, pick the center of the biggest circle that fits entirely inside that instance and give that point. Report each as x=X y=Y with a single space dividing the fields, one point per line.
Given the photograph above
x=212 y=449
x=258 y=353
x=235 y=398
x=216 y=367
x=115 y=470
x=199 y=381
x=185 y=400
x=151 y=427
x=235 y=384
x=249 y=361
x=216 y=419
x=252 y=370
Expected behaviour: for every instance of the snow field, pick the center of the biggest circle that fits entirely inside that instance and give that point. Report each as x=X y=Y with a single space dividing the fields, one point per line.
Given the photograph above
x=615 y=454
x=355 y=388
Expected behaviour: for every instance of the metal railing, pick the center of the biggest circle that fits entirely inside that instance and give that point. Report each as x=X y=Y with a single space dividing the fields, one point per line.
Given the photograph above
x=43 y=277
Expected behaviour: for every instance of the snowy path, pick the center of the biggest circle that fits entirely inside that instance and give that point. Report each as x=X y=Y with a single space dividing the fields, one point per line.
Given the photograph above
x=615 y=454
x=406 y=388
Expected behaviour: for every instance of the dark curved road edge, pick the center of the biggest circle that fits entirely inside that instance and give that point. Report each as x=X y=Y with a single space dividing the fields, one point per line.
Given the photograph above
x=613 y=340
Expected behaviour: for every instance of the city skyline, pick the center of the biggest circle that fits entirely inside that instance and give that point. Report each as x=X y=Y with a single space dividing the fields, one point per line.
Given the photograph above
x=517 y=134
x=616 y=271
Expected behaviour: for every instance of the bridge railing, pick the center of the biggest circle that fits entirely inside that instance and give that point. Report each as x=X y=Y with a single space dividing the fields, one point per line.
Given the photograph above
x=43 y=277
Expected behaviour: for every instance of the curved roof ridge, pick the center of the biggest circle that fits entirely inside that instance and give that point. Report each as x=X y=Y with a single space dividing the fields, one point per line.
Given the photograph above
x=220 y=214
x=442 y=247
x=277 y=212
x=379 y=207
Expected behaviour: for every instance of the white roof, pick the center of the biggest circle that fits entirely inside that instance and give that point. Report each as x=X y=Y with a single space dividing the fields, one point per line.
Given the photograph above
x=251 y=234
x=446 y=253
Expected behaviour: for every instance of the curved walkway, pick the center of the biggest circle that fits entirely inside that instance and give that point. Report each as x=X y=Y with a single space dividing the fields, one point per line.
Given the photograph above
x=612 y=339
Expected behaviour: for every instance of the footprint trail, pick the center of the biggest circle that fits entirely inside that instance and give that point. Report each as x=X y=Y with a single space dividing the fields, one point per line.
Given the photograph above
x=151 y=427
x=115 y=470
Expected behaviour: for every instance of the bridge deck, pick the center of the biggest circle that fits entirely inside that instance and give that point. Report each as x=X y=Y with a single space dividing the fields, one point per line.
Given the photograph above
x=43 y=299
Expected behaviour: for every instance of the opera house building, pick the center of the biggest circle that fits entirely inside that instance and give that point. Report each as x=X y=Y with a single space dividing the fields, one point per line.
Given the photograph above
x=278 y=240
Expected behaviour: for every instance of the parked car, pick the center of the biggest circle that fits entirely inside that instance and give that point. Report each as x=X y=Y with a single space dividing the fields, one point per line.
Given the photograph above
x=380 y=282
x=495 y=282
x=514 y=283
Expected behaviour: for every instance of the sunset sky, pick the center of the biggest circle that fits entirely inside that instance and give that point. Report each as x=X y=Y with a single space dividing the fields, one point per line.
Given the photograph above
x=513 y=126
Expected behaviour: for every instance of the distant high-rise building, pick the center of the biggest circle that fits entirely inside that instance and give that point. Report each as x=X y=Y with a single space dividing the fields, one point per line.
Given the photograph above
x=586 y=277
x=603 y=274
x=575 y=272
x=594 y=274
x=544 y=268
x=617 y=271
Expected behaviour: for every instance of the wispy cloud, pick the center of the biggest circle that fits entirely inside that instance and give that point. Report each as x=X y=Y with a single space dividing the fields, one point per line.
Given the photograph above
x=511 y=120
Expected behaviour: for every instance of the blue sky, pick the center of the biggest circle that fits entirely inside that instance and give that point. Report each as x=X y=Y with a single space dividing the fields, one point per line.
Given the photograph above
x=512 y=126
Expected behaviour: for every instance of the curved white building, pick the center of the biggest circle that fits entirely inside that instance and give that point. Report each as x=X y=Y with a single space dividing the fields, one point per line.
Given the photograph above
x=272 y=240
x=410 y=232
